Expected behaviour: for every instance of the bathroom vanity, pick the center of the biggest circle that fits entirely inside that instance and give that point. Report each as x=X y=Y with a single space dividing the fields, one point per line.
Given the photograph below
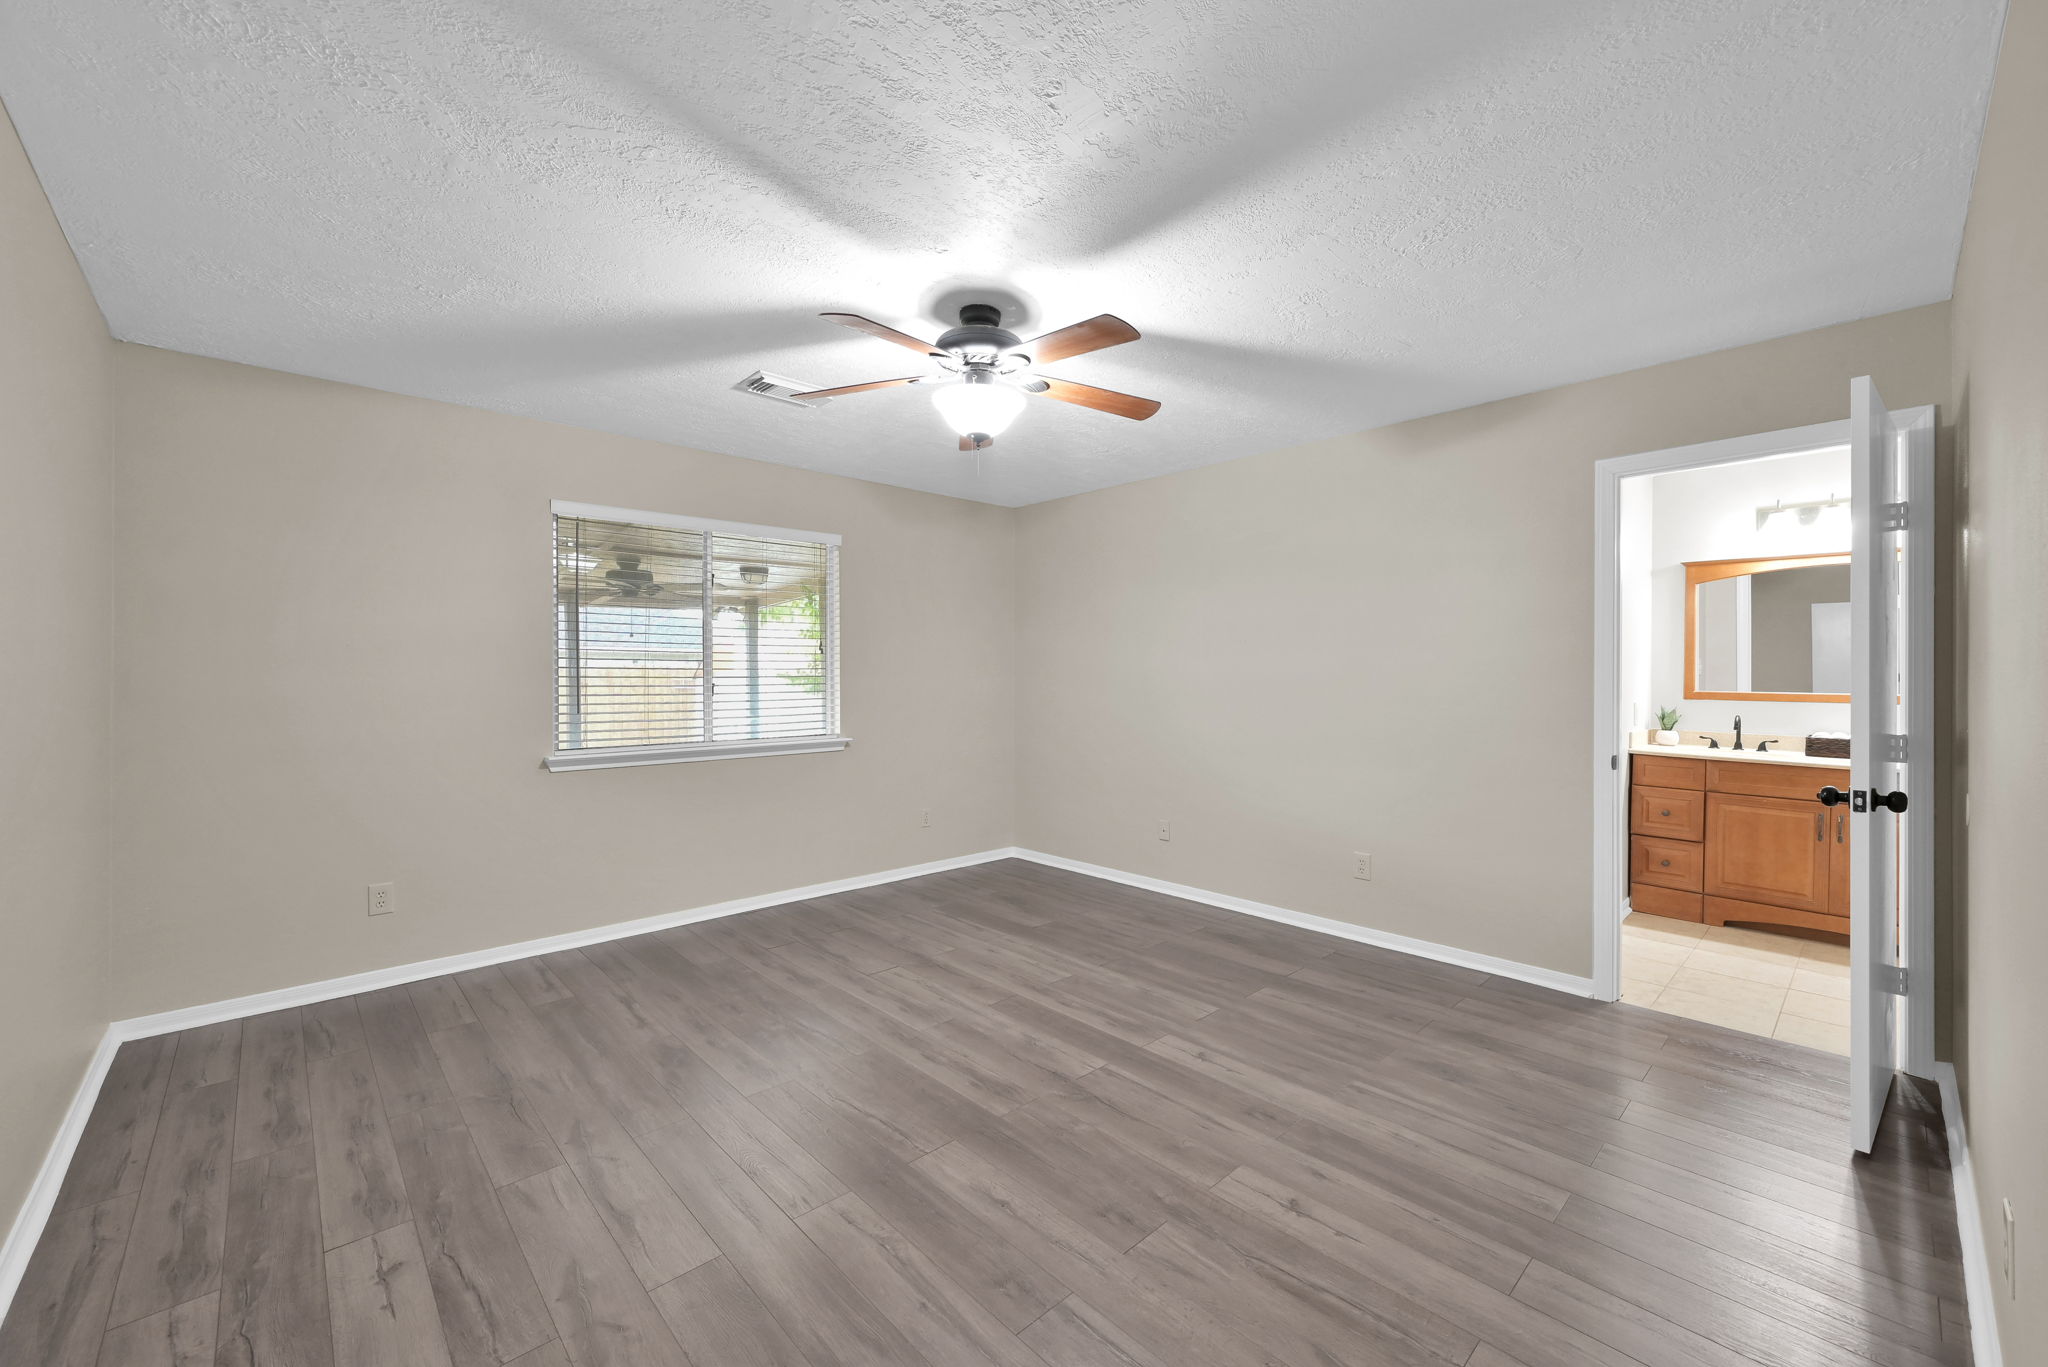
x=1738 y=837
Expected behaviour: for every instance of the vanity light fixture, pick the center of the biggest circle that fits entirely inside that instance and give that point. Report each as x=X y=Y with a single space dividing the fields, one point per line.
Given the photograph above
x=1808 y=513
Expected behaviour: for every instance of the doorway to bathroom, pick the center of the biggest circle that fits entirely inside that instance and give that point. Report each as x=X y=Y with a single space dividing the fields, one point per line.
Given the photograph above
x=1763 y=658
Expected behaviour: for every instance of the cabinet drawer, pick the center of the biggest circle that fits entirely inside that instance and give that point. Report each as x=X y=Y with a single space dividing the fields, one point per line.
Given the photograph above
x=1674 y=813
x=1666 y=863
x=1658 y=771
x=1772 y=780
x=1652 y=900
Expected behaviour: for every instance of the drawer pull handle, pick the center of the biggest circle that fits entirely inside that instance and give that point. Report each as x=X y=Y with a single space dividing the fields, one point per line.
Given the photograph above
x=1820 y=826
x=1664 y=863
x=1665 y=812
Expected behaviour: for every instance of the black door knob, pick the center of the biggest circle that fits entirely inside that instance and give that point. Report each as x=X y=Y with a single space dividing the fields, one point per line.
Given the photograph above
x=1895 y=801
x=1831 y=795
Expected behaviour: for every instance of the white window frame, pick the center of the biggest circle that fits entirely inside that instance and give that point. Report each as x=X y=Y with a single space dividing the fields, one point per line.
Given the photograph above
x=613 y=757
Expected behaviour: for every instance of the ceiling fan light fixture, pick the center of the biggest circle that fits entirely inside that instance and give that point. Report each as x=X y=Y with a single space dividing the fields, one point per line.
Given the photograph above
x=979 y=403
x=995 y=370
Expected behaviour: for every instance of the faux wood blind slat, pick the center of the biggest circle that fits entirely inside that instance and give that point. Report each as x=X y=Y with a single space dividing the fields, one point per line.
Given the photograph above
x=635 y=606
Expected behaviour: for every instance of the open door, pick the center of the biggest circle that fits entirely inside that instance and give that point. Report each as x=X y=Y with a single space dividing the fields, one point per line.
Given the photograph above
x=1891 y=708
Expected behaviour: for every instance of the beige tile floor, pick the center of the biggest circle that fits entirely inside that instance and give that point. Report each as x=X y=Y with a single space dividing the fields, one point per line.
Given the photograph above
x=1753 y=980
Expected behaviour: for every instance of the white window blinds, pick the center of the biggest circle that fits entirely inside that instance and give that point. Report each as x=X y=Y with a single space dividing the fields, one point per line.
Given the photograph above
x=696 y=639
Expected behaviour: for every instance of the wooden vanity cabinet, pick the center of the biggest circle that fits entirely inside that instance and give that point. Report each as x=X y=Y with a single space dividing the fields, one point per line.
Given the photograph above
x=1734 y=840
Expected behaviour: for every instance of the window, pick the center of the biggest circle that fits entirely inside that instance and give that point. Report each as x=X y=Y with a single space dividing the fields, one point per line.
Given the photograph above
x=677 y=639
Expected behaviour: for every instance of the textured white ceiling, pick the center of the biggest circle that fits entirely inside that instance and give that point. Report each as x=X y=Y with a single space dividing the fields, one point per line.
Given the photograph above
x=1325 y=216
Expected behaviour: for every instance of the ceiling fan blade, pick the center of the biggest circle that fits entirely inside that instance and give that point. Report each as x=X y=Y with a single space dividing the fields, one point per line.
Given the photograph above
x=881 y=330
x=856 y=388
x=1104 y=329
x=970 y=444
x=1102 y=400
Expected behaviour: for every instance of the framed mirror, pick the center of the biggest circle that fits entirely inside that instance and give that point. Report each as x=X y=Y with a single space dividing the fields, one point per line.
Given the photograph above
x=1773 y=630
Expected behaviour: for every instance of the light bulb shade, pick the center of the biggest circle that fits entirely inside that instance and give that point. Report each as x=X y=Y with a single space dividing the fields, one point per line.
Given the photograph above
x=979 y=403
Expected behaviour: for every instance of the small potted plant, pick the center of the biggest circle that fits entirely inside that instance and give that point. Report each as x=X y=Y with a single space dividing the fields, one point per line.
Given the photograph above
x=1667 y=726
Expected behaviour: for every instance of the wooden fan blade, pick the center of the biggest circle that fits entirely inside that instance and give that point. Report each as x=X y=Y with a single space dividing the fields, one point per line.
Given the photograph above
x=970 y=444
x=856 y=388
x=881 y=330
x=1102 y=400
x=1104 y=329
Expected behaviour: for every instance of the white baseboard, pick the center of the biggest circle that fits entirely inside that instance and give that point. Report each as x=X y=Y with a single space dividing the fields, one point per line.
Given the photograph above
x=1424 y=949
x=209 y=1013
x=1978 y=1285
x=42 y=1193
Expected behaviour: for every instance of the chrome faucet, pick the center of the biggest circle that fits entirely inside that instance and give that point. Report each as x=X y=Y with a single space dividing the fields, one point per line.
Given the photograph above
x=1738 y=730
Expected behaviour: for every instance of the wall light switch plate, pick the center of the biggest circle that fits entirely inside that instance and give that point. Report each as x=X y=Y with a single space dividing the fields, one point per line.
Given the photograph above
x=1165 y=829
x=924 y=816
x=383 y=899
x=1363 y=868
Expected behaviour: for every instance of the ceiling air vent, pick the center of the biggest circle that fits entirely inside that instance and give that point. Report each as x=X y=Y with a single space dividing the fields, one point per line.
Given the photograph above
x=780 y=388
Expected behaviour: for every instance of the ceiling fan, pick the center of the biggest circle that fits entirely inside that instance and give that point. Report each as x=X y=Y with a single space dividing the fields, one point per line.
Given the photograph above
x=626 y=581
x=995 y=370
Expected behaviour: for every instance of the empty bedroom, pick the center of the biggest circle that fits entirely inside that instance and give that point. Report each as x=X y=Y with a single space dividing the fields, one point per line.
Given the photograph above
x=1109 y=685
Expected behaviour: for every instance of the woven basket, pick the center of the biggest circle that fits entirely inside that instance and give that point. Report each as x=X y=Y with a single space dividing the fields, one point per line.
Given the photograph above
x=1828 y=747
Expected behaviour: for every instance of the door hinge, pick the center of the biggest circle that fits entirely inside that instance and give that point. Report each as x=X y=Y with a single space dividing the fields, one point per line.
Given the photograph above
x=1894 y=748
x=1891 y=517
x=1892 y=978
x=1614 y=761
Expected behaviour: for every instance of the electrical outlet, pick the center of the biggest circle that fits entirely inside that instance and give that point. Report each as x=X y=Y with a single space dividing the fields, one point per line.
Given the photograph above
x=383 y=899
x=924 y=816
x=1363 y=868
x=1165 y=829
x=2009 y=1266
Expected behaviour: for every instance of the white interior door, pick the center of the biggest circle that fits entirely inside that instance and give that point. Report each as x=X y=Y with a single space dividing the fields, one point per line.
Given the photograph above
x=1891 y=707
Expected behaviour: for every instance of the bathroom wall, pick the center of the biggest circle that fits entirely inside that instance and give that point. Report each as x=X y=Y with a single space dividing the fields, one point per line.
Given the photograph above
x=1710 y=514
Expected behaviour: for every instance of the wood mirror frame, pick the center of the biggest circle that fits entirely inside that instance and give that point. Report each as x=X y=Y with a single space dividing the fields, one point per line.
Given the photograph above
x=1698 y=572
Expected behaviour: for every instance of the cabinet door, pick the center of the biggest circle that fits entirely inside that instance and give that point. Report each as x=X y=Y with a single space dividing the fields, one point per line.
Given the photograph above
x=1840 y=834
x=1774 y=850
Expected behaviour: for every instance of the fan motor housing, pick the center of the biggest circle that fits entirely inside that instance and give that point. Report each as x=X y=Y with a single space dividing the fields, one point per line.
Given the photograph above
x=979 y=340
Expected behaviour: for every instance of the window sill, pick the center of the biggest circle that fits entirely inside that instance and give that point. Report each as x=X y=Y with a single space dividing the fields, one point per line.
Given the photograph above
x=623 y=755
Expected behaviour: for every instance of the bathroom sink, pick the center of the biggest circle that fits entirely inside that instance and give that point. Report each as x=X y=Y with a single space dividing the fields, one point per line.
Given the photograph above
x=1747 y=756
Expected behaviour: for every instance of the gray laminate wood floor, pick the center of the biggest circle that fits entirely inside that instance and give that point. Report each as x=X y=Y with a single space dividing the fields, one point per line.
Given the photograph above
x=1006 y=1115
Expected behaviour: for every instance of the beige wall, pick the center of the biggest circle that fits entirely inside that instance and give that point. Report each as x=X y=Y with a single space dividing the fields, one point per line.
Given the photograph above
x=336 y=669
x=54 y=453
x=2001 y=407
x=1380 y=643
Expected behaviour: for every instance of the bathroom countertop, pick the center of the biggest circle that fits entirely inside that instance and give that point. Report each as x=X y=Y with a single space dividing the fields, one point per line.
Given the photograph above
x=1771 y=756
